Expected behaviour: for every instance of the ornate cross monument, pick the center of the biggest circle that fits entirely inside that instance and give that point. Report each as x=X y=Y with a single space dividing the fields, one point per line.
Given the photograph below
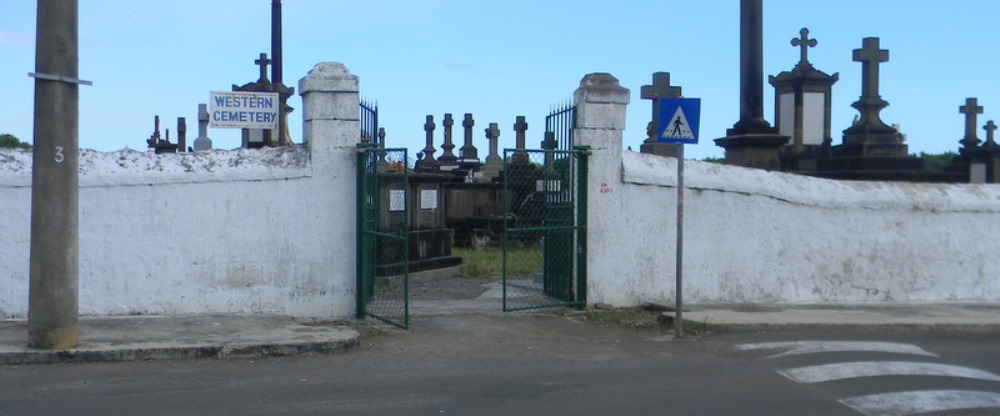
x=971 y=109
x=802 y=102
x=494 y=162
x=447 y=156
x=427 y=163
x=660 y=88
x=752 y=141
x=520 y=128
x=871 y=150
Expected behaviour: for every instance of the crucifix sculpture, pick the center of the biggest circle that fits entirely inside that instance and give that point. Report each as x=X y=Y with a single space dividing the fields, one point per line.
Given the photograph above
x=263 y=62
x=870 y=57
x=970 y=109
x=804 y=43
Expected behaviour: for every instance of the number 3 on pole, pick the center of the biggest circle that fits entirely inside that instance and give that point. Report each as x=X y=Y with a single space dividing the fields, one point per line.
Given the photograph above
x=59 y=154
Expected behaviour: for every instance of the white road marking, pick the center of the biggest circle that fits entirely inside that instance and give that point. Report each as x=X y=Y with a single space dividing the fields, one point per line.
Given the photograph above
x=815 y=347
x=841 y=371
x=925 y=401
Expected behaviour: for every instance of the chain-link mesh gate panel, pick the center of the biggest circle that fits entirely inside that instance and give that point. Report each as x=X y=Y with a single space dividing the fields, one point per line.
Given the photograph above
x=540 y=236
x=383 y=235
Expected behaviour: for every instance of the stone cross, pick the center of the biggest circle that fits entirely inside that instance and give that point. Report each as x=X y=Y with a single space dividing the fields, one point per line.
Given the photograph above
x=870 y=56
x=181 y=134
x=970 y=109
x=661 y=88
x=263 y=62
x=469 y=151
x=202 y=142
x=428 y=160
x=494 y=163
x=447 y=157
x=804 y=43
x=520 y=127
x=990 y=128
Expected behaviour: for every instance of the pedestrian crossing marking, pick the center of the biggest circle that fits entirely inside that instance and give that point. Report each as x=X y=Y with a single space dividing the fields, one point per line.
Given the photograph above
x=843 y=371
x=922 y=401
x=678 y=128
x=815 y=347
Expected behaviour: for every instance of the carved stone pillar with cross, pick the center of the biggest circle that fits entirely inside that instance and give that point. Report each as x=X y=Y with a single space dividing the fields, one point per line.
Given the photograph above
x=660 y=88
x=802 y=108
x=971 y=109
x=494 y=163
x=752 y=142
x=520 y=127
x=427 y=163
x=448 y=156
x=992 y=151
x=202 y=142
x=468 y=151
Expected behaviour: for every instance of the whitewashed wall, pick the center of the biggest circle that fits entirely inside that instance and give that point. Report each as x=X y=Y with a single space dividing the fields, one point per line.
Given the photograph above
x=241 y=232
x=753 y=236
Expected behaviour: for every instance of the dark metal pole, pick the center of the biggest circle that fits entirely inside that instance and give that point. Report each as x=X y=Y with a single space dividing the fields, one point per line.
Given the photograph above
x=53 y=299
x=276 y=68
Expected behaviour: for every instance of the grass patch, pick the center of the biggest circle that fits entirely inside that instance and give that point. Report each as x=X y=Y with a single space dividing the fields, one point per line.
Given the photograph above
x=488 y=262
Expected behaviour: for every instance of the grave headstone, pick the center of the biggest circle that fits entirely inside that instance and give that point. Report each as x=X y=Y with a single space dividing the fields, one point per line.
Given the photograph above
x=181 y=134
x=803 y=98
x=469 y=152
x=520 y=128
x=427 y=163
x=202 y=142
x=971 y=109
x=448 y=161
x=660 y=88
x=494 y=163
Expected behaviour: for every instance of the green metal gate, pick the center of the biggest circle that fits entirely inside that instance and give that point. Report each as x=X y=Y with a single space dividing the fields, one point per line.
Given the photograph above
x=544 y=239
x=383 y=235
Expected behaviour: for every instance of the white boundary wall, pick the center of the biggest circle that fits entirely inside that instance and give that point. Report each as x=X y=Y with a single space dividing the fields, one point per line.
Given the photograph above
x=242 y=232
x=753 y=236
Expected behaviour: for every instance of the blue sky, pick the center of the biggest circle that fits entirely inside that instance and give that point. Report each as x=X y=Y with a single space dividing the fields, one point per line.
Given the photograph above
x=499 y=60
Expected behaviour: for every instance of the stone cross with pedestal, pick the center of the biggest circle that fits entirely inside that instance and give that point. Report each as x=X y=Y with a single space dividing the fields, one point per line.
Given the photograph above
x=971 y=109
x=494 y=163
x=447 y=158
x=520 y=128
x=202 y=142
x=660 y=88
x=427 y=162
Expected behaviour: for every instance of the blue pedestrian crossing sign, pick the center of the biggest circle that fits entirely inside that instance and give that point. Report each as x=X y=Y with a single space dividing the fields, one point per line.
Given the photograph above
x=678 y=120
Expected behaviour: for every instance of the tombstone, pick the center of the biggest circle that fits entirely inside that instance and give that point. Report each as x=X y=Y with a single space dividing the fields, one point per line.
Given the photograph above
x=181 y=134
x=256 y=138
x=494 y=162
x=427 y=162
x=992 y=151
x=971 y=109
x=802 y=108
x=660 y=88
x=448 y=161
x=470 y=155
x=202 y=142
x=160 y=146
x=871 y=150
x=752 y=142
x=520 y=128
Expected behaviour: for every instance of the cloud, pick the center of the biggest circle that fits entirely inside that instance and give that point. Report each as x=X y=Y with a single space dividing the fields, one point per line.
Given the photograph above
x=17 y=39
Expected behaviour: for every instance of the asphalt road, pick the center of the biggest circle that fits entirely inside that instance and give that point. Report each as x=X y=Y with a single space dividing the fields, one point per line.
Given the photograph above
x=539 y=364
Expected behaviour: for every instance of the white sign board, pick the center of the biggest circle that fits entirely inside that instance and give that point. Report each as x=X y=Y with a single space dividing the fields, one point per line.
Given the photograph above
x=243 y=110
x=428 y=199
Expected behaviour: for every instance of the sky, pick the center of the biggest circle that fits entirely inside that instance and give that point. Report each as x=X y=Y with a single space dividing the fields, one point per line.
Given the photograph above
x=503 y=59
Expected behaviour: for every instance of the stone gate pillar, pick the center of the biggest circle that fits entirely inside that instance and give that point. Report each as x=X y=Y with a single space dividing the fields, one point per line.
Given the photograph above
x=330 y=111
x=331 y=127
x=600 y=123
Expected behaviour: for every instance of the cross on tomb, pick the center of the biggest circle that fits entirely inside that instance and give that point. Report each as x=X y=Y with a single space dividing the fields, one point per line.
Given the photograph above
x=469 y=152
x=263 y=62
x=661 y=88
x=804 y=43
x=990 y=128
x=520 y=127
x=970 y=109
x=429 y=129
x=870 y=56
x=447 y=156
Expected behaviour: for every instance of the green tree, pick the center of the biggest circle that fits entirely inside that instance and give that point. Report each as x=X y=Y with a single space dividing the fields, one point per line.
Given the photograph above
x=8 y=140
x=936 y=163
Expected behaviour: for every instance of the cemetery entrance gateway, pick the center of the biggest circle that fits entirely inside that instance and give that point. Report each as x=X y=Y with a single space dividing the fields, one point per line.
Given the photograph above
x=383 y=235
x=544 y=239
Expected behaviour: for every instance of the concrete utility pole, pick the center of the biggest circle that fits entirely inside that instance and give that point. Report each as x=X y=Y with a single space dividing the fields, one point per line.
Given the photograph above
x=53 y=301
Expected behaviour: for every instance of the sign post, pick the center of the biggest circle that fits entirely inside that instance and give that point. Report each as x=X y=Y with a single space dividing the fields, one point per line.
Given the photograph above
x=678 y=122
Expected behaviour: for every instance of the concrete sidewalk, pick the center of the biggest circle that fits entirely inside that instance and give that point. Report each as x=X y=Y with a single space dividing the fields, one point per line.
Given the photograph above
x=134 y=338
x=951 y=316
x=152 y=337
